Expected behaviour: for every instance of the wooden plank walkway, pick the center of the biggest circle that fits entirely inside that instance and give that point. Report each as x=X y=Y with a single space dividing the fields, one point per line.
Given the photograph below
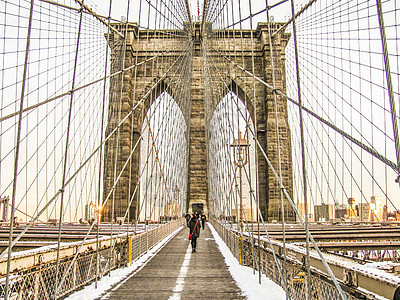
x=177 y=273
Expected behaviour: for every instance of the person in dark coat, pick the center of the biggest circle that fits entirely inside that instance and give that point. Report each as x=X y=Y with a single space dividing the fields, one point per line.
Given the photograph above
x=203 y=220
x=187 y=217
x=194 y=227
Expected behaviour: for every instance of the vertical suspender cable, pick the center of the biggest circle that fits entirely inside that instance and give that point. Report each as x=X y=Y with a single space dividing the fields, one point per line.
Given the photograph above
x=98 y=208
x=308 y=282
x=245 y=101
x=17 y=146
x=255 y=152
x=271 y=51
x=118 y=134
x=137 y=188
x=141 y=117
x=66 y=149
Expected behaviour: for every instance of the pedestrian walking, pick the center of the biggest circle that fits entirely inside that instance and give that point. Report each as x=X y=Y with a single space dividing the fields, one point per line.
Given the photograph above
x=187 y=217
x=203 y=220
x=194 y=232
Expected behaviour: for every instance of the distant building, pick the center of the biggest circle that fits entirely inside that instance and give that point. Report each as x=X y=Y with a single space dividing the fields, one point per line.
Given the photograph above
x=385 y=213
x=372 y=211
x=376 y=209
x=4 y=203
x=89 y=211
x=351 y=209
x=347 y=211
x=364 y=211
x=341 y=211
x=323 y=212
x=393 y=216
x=302 y=211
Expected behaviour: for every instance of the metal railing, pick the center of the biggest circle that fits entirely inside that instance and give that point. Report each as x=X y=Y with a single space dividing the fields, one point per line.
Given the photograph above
x=38 y=282
x=322 y=286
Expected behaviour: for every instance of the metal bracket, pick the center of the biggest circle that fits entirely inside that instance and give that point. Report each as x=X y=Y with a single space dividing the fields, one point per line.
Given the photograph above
x=350 y=277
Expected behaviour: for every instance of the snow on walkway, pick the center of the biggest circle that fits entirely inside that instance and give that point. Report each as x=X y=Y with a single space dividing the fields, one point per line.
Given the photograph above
x=119 y=275
x=244 y=277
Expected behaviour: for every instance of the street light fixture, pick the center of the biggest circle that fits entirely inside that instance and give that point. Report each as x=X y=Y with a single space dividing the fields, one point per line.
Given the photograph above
x=240 y=151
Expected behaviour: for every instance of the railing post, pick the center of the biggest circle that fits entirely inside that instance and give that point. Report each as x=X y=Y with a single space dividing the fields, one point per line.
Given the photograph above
x=240 y=245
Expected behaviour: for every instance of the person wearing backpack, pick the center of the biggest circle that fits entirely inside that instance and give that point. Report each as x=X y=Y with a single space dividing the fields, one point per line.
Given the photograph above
x=194 y=233
x=203 y=220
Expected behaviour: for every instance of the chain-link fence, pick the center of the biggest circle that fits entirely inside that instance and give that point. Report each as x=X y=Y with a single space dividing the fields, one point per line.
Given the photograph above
x=39 y=282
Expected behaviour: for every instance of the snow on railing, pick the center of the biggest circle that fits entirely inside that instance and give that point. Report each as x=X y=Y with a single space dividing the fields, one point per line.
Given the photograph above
x=357 y=280
x=34 y=271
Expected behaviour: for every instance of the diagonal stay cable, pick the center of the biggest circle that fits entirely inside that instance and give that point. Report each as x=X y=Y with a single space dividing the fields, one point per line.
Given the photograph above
x=370 y=150
x=259 y=212
x=87 y=11
x=91 y=227
x=157 y=156
x=32 y=221
x=335 y=282
x=136 y=188
x=88 y=84
x=292 y=204
x=107 y=198
x=301 y=11
x=248 y=128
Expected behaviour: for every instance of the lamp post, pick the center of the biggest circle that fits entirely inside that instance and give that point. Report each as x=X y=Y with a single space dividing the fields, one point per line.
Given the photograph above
x=240 y=148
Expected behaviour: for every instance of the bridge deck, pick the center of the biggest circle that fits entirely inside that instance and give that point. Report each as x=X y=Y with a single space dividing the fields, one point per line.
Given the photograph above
x=177 y=273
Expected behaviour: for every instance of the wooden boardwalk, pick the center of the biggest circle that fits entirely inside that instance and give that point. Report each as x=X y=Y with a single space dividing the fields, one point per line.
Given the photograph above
x=177 y=273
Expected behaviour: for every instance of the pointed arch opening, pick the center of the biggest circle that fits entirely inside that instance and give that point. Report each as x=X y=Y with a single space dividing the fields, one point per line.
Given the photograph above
x=163 y=161
x=230 y=119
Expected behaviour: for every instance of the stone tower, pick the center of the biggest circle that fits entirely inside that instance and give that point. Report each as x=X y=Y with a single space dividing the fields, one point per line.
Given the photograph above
x=140 y=86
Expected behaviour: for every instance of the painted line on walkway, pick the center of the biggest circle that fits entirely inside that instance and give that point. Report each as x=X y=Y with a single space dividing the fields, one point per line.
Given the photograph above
x=180 y=282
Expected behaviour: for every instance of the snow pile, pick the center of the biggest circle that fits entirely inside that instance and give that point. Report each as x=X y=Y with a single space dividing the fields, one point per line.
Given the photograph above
x=119 y=275
x=244 y=277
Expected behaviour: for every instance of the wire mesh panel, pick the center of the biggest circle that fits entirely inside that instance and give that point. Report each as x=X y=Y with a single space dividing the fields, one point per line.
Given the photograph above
x=321 y=285
x=39 y=282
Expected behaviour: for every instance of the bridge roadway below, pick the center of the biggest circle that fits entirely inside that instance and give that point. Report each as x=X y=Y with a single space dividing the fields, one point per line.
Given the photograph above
x=177 y=273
